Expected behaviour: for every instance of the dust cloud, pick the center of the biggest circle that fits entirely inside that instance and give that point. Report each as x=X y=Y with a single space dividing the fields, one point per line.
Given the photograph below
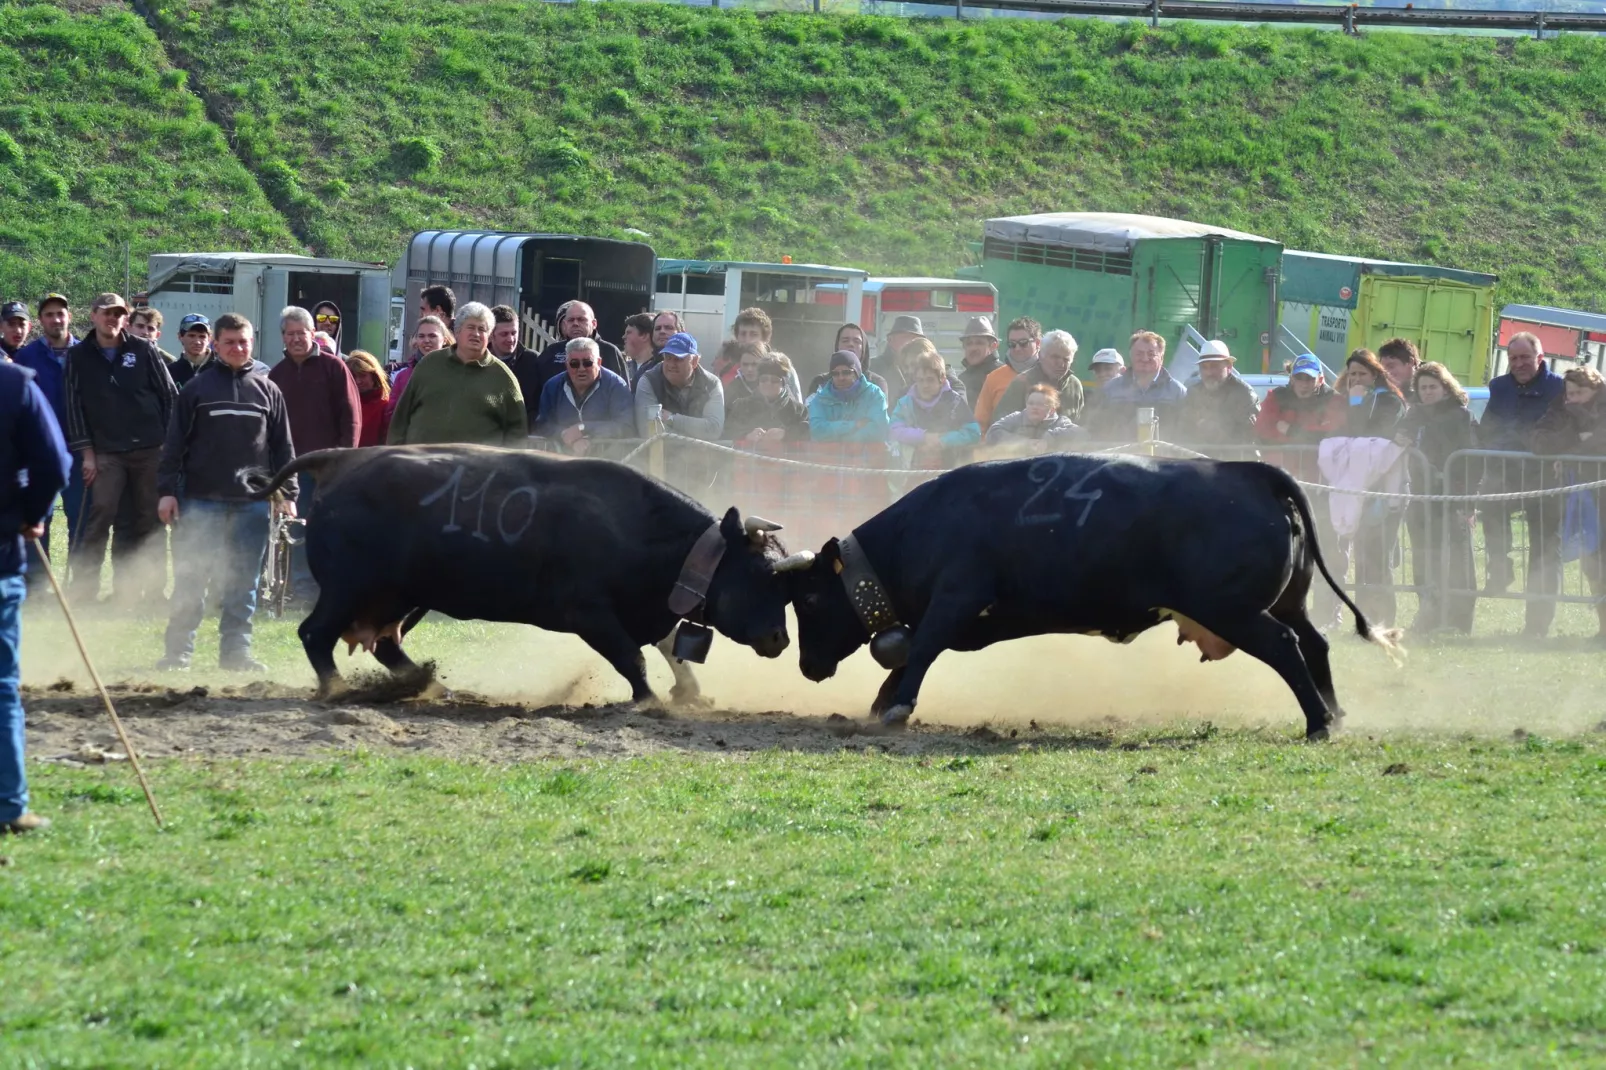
x=1082 y=681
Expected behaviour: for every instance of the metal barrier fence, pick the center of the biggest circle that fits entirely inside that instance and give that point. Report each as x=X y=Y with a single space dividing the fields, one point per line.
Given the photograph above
x=1486 y=525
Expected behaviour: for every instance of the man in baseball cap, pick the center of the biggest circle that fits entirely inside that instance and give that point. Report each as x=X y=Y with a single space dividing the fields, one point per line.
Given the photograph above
x=103 y=302
x=46 y=357
x=685 y=397
x=1107 y=364
x=14 y=324
x=195 y=340
x=1221 y=409
x=981 y=356
x=119 y=396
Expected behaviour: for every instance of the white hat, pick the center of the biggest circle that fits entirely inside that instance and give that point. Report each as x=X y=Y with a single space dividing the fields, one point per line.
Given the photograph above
x=1215 y=349
x=1108 y=356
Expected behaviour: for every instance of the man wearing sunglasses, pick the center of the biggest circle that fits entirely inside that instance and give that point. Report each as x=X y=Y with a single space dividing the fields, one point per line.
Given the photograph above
x=1024 y=338
x=588 y=402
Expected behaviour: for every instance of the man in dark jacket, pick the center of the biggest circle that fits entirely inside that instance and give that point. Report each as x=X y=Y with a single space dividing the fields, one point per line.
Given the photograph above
x=119 y=396
x=575 y=320
x=1054 y=360
x=33 y=468
x=195 y=343
x=521 y=359
x=1518 y=400
x=230 y=417
x=46 y=357
x=981 y=357
x=1221 y=409
x=14 y=327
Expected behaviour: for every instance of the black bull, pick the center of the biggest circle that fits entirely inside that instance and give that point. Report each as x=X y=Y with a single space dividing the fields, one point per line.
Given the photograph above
x=1102 y=545
x=587 y=547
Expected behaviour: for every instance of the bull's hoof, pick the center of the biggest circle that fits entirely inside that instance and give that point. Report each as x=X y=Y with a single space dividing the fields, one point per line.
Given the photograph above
x=331 y=690
x=1317 y=735
x=688 y=699
x=897 y=716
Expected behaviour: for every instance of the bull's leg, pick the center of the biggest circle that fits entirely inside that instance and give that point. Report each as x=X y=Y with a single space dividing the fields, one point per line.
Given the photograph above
x=319 y=633
x=686 y=690
x=889 y=687
x=954 y=605
x=1260 y=635
x=1313 y=647
x=410 y=621
x=608 y=638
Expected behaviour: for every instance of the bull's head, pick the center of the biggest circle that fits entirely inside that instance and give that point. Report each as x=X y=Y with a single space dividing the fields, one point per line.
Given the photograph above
x=828 y=629
x=748 y=595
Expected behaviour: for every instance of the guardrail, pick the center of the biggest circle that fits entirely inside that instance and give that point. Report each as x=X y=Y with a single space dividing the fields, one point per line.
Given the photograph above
x=1495 y=525
x=1351 y=18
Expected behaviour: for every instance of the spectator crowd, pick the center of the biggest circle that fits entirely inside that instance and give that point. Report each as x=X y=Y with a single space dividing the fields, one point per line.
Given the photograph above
x=158 y=438
x=132 y=438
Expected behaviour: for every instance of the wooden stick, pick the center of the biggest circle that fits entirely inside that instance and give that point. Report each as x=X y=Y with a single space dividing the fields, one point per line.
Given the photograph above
x=133 y=759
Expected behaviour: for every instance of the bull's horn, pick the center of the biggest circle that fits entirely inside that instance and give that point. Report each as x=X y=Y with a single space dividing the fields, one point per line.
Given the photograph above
x=795 y=562
x=757 y=525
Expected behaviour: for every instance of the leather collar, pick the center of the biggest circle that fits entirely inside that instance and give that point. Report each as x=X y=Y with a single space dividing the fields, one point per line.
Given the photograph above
x=691 y=588
x=869 y=598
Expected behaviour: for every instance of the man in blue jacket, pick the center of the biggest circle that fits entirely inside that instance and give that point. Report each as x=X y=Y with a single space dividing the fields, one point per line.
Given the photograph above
x=1517 y=400
x=587 y=402
x=46 y=357
x=33 y=469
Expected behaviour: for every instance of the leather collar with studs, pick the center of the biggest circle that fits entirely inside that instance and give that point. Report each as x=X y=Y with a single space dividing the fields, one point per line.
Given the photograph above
x=869 y=598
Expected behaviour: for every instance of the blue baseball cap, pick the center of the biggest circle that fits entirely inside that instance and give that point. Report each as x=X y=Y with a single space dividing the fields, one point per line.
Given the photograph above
x=1306 y=364
x=194 y=319
x=680 y=344
x=13 y=310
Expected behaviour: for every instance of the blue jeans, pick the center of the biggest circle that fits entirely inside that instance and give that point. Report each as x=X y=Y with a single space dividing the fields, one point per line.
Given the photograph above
x=217 y=545
x=13 y=778
x=73 y=503
x=303 y=588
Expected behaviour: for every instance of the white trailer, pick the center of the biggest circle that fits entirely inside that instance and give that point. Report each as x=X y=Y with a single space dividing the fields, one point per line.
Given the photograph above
x=259 y=285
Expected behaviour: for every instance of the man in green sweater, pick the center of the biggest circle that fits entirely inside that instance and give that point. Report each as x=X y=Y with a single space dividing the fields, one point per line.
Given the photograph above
x=462 y=393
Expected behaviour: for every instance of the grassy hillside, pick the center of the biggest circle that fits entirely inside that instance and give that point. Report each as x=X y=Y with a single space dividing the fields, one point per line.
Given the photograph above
x=102 y=143
x=882 y=142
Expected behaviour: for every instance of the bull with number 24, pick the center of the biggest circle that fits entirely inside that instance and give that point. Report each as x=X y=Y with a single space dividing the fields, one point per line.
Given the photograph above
x=1082 y=544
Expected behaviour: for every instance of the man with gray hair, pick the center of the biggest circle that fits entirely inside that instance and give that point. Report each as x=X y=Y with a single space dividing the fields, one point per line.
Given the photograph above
x=589 y=402
x=1054 y=360
x=462 y=393
x=320 y=398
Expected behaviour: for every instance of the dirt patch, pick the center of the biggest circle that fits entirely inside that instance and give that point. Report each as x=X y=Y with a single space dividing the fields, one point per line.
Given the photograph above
x=263 y=719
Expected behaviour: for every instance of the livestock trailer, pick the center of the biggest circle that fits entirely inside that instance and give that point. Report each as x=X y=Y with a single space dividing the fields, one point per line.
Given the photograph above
x=805 y=302
x=1103 y=276
x=1335 y=304
x=259 y=285
x=1569 y=338
x=943 y=305
x=533 y=274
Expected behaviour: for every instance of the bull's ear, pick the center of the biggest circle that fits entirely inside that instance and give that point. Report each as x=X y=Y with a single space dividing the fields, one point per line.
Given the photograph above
x=832 y=552
x=731 y=527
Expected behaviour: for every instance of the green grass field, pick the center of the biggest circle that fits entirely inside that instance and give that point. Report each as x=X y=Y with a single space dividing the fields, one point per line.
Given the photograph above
x=345 y=125
x=882 y=142
x=1171 y=898
x=101 y=143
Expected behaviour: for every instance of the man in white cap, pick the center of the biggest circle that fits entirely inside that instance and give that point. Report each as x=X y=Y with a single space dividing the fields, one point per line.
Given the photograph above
x=1107 y=365
x=1221 y=409
x=981 y=357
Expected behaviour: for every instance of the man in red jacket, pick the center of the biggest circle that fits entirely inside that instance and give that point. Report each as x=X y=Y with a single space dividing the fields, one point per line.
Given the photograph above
x=325 y=413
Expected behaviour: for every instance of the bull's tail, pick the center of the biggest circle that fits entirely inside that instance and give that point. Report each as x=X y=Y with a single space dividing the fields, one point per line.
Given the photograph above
x=261 y=486
x=1288 y=488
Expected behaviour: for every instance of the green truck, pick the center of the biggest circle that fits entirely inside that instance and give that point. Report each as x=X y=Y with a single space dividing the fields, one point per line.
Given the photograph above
x=1103 y=276
x=1335 y=304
